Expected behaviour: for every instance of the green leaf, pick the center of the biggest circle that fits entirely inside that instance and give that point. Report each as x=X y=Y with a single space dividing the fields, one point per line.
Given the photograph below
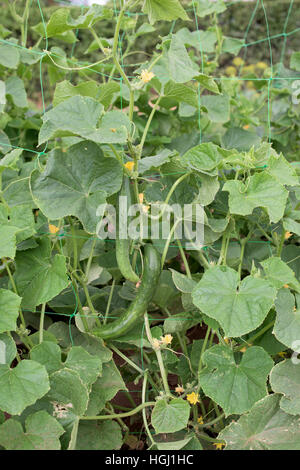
x=295 y=61
x=42 y=433
x=4 y=142
x=67 y=388
x=87 y=366
x=204 y=157
x=82 y=177
x=9 y=56
x=10 y=160
x=182 y=68
x=279 y=273
x=39 y=276
x=48 y=354
x=287 y=324
x=239 y=306
x=99 y=435
x=236 y=387
x=206 y=7
x=61 y=20
x=95 y=346
x=180 y=93
x=22 y=386
x=15 y=88
x=16 y=226
x=282 y=170
x=218 y=107
x=285 y=379
x=208 y=83
x=167 y=10
x=290 y=225
x=76 y=115
x=265 y=427
x=114 y=129
x=240 y=139
x=105 y=388
x=259 y=190
x=155 y=161
x=9 y=310
x=2 y=96
x=182 y=282
x=232 y=45
x=65 y=90
x=170 y=417
x=8 y=349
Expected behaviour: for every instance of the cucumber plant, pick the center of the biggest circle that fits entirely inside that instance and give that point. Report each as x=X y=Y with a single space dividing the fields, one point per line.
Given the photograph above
x=210 y=335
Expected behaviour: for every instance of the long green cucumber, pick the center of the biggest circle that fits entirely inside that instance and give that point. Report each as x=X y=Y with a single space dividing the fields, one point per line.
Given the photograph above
x=139 y=305
x=123 y=245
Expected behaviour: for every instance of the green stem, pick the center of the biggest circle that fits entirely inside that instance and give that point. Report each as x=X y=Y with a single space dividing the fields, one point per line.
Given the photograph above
x=95 y=36
x=203 y=259
x=281 y=243
x=90 y=259
x=24 y=25
x=186 y=265
x=166 y=247
x=109 y=301
x=159 y=357
x=201 y=354
x=42 y=318
x=213 y=421
x=129 y=361
x=121 y=423
x=75 y=252
x=116 y=153
x=146 y=129
x=144 y=389
x=16 y=292
x=74 y=433
x=120 y=415
x=257 y=335
x=115 y=57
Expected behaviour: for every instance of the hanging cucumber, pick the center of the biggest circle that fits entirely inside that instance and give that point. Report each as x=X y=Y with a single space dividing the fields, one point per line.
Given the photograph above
x=139 y=305
x=123 y=245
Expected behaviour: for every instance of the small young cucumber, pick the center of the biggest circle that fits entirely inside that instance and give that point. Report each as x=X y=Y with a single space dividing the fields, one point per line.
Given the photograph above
x=139 y=305
x=123 y=245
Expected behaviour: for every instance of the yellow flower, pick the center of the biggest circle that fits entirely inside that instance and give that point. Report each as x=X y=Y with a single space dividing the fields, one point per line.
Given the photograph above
x=286 y=286
x=282 y=354
x=146 y=76
x=167 y=339
x=193 y=398
x=244 y=349
x=179 y=389
x=246 y=127
x=141 y=198
x=200 y=420
x=238 y=61
x=287 y=235
x=261 y=65
x=250 y=85
x=226 y=340
x=231 y=71
x=129 y=166
x=249 y=69
x=53 y=229
x=219 y=445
